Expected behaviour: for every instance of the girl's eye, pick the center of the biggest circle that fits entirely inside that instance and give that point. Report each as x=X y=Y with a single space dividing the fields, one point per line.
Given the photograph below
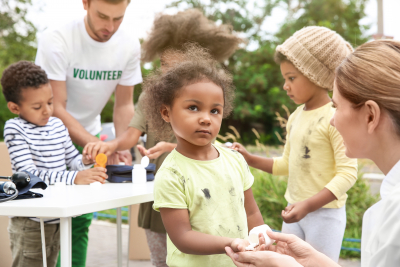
x=291 y=78
x=215 y=111
x=36 y=108
x=50 y=103
x=193 y=108
x=333 y=105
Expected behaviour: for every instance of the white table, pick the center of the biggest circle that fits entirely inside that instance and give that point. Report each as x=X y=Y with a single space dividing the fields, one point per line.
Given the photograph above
x=65 y=202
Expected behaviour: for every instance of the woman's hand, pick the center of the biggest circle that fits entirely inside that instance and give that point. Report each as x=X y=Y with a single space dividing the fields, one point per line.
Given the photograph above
x=261 y=259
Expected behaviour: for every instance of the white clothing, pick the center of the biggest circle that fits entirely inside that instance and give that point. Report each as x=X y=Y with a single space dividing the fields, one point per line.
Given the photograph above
x=380 y=241
x=323 y=229
x=91 y=69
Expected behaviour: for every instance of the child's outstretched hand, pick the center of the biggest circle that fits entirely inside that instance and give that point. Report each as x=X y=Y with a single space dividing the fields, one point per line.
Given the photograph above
x=93 y=148
x=89 y=176
x=157 y=150
x=295 y=212
x=240 y=148
x=239 y=245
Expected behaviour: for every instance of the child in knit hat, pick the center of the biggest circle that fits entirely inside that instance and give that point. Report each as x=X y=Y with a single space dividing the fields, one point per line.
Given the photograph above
x=314 y=155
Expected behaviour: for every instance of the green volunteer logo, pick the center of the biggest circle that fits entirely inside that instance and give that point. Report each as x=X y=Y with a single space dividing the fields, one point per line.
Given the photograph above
x=97 y=74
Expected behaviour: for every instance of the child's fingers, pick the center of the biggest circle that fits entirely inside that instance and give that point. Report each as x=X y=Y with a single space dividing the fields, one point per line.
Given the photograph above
x=142 y=150
x=261 y=239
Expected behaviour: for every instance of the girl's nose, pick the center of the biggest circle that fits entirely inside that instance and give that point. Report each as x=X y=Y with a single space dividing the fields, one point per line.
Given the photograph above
x=205 y=119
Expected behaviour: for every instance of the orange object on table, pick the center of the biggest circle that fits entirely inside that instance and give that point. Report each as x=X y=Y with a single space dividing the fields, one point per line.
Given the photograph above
x=101 y=160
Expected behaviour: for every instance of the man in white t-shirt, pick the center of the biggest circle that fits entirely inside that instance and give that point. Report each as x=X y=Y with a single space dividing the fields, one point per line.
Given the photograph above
x=86 y=61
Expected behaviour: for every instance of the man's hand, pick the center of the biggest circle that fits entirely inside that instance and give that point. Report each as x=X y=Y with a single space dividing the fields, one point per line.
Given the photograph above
x=89 y=176
x=239 y=245
x=157 y=150
x=296 y=212
x=92 y=149
x=125 y=156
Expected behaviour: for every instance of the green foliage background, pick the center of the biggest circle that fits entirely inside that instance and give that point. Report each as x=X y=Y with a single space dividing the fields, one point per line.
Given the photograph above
x=17 y=42
x=256 y=76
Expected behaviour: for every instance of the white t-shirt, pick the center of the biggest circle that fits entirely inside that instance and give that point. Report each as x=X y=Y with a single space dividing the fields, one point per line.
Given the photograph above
x=380 y=241
x=91 y=69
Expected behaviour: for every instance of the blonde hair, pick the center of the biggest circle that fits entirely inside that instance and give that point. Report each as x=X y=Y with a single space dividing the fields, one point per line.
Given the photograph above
x=372 y=72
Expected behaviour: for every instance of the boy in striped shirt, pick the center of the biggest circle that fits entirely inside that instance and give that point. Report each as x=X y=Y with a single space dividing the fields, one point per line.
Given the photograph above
x=41 y=145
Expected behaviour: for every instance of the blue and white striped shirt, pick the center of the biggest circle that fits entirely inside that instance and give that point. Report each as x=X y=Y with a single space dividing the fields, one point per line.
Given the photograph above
x=45 y=151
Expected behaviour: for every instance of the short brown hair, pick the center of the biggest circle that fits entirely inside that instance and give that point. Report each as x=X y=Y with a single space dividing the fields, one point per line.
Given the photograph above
x=173 y=31
x=372 y=72
x=21 y=75
x=160 y=88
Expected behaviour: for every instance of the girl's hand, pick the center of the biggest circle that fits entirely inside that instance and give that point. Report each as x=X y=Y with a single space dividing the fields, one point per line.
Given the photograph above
x=89 y=176
x=295 y=212
x=239 y=245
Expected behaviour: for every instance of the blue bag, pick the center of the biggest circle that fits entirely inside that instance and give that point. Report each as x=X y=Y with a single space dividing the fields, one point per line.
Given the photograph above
x=24 y=193
x=123 y=173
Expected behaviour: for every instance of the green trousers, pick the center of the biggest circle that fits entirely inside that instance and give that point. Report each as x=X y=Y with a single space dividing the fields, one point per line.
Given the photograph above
x=80 y=239
x=80 y=235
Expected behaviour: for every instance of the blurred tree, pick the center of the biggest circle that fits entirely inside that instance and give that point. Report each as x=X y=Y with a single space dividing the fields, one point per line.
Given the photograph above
x=17 y=42
x=342 y=16
x=256 y=76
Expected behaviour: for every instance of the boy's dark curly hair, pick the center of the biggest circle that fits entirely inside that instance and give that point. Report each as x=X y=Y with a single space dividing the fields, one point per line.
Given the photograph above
x=160 y=88
x=173 y=31
x=21 y=75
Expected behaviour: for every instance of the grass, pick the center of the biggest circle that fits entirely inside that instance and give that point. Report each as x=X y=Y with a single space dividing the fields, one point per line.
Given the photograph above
x=113 y=212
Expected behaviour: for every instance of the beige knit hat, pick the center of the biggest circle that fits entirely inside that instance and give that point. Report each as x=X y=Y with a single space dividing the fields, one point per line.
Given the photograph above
x=316 y=52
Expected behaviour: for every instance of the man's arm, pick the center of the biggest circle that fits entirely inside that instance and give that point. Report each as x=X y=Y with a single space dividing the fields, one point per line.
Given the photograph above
x=78 y=134
x=123 y=108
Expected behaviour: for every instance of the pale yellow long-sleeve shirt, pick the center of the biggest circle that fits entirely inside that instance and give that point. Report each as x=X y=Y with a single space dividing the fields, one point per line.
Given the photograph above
x=314 y=157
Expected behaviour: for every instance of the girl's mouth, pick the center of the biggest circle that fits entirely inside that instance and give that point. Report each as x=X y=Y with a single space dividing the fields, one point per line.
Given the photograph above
x=203 y=131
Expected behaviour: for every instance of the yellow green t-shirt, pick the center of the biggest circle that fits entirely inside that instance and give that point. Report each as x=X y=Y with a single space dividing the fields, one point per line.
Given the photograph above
x=314 y=157
x=213 y=193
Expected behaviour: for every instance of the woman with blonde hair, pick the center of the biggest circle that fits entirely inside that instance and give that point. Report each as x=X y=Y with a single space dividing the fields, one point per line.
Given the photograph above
x=367 y=100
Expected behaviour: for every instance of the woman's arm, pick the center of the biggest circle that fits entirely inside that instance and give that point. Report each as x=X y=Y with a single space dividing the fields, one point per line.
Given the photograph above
x=177 y=224
x=254 y=217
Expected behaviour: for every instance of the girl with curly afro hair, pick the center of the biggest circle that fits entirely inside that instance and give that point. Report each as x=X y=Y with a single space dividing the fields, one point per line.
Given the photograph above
x=170 y=37
x=202 y=191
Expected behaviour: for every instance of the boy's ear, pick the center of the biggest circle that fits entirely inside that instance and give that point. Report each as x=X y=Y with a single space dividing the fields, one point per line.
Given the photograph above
x=14 y=108
x=165 y=113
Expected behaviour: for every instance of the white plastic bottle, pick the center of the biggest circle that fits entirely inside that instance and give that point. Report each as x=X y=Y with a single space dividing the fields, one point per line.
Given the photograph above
x=139 y=171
